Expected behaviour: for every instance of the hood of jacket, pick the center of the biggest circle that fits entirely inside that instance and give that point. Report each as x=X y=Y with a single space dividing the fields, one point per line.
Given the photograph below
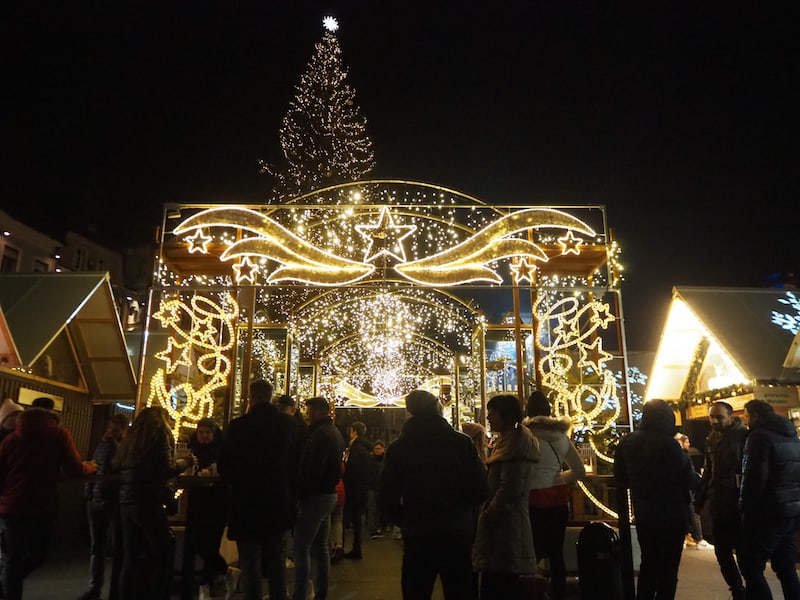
x=657 y=417
x=778 y=425
x=548 y=428
x=517 y=444
x=36 y=419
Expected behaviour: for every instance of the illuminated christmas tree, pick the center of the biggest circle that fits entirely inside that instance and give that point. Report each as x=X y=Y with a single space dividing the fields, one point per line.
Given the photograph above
x=323 y=136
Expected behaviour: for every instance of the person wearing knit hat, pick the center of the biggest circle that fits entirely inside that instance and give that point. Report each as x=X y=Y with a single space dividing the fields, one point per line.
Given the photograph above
x=9 y=411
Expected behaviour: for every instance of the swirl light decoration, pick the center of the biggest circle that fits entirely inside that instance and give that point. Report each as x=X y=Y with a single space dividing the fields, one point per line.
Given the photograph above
x=201 y=335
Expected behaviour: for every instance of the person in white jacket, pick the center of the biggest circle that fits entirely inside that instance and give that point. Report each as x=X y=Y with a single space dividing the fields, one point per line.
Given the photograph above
x=559 y=466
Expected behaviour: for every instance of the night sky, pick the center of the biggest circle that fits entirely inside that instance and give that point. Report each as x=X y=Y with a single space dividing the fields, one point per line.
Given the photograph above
x=682 y=120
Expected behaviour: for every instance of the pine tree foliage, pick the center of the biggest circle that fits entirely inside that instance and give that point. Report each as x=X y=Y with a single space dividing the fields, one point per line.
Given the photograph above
x=323 y=135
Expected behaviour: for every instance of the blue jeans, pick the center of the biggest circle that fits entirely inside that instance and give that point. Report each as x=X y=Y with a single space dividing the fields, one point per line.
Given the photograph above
x=773 y=540
x=311 y=539
x=250 y=560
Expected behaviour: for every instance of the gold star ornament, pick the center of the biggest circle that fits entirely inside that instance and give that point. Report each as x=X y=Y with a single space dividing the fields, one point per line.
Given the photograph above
x=385 y=237
x=570 y=244
x=521 y=270
x=199 y=242
x=244 y=270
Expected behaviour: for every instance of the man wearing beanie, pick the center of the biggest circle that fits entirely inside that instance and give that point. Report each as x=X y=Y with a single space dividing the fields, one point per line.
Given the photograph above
x=431 y=483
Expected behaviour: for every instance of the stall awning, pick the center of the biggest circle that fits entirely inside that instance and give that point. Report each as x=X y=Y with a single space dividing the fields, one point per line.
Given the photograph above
x=746 y=333
x=39 y=307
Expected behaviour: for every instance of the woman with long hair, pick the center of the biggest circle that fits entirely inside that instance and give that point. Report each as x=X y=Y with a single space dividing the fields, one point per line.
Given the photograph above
x=146 y=461
x=503 y=548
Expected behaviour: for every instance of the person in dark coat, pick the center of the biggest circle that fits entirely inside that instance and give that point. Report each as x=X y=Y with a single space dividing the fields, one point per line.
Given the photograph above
x=719 y=490
x=32 y=461
x=259 y=462
x=207 y=510
x=102 y=509
x=146 y=461
x=432 y=482
x=357 y=469
x=659 y=475
x=769 y=501
x=318 y=475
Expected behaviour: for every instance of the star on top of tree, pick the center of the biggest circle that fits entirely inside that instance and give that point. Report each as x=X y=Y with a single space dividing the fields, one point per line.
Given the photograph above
x=385 y=237
x=331 y=24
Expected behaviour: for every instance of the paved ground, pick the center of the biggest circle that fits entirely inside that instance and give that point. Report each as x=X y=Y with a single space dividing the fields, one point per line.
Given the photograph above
x=376 y=577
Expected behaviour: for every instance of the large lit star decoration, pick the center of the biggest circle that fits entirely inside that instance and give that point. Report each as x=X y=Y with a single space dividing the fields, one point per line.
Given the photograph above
x=570 y=244
x=199 y=242
x=522 y=270
x=201 y=330
x=331 y=24
x=244 y=270
x=385 y=237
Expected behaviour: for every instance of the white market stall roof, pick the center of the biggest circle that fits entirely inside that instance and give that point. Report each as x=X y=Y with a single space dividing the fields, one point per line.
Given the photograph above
x=748 y=334
x=38 y=307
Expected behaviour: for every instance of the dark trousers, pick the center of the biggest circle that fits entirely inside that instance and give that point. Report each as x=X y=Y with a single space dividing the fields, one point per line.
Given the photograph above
x=425 y=558
x=24 y=541
x=773 y=540
x=500 y=586
x=354 y=512
x=147 y=543
x=661 y=544
x=104 y=523
x=208 y=530
x=727 y=541
x=549 y=526
x=251 y=555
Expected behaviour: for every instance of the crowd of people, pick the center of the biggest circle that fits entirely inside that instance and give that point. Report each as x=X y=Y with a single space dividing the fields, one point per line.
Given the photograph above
x=483 y=520
x=750 y=484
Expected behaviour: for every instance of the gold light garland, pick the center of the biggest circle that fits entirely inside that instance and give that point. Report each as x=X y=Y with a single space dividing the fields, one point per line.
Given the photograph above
x=304 y=262
x=203 y=347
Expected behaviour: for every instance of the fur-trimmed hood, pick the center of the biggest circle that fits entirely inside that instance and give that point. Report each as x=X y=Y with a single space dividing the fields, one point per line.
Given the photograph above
x=548 y=428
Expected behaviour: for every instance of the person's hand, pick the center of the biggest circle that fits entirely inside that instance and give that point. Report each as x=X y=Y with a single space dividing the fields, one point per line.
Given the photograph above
x=92 y=466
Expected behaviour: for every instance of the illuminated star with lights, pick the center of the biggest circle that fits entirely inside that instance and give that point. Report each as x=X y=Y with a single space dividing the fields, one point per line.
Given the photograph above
x=168 y=313
x=602 y=317
x=600 y=356
x=199 y=242
x=244 y=270
x=522 y=270
x=166 y=355
x=570 y=244
x=331 y=24
x=385 y=238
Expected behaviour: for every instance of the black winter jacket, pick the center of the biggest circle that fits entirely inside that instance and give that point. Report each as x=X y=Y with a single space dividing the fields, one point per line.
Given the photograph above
x=432 y=480
x=656 y=470
x=357 y=471
x=259 y=460
x=771 y=471
x=106 y=490
x=143 y=479
x=321 y=461
x=722 y=468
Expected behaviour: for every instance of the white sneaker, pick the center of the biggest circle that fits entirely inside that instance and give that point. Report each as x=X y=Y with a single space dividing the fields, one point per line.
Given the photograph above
x=204 y=592
x=231 y=582
x=704 y=545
